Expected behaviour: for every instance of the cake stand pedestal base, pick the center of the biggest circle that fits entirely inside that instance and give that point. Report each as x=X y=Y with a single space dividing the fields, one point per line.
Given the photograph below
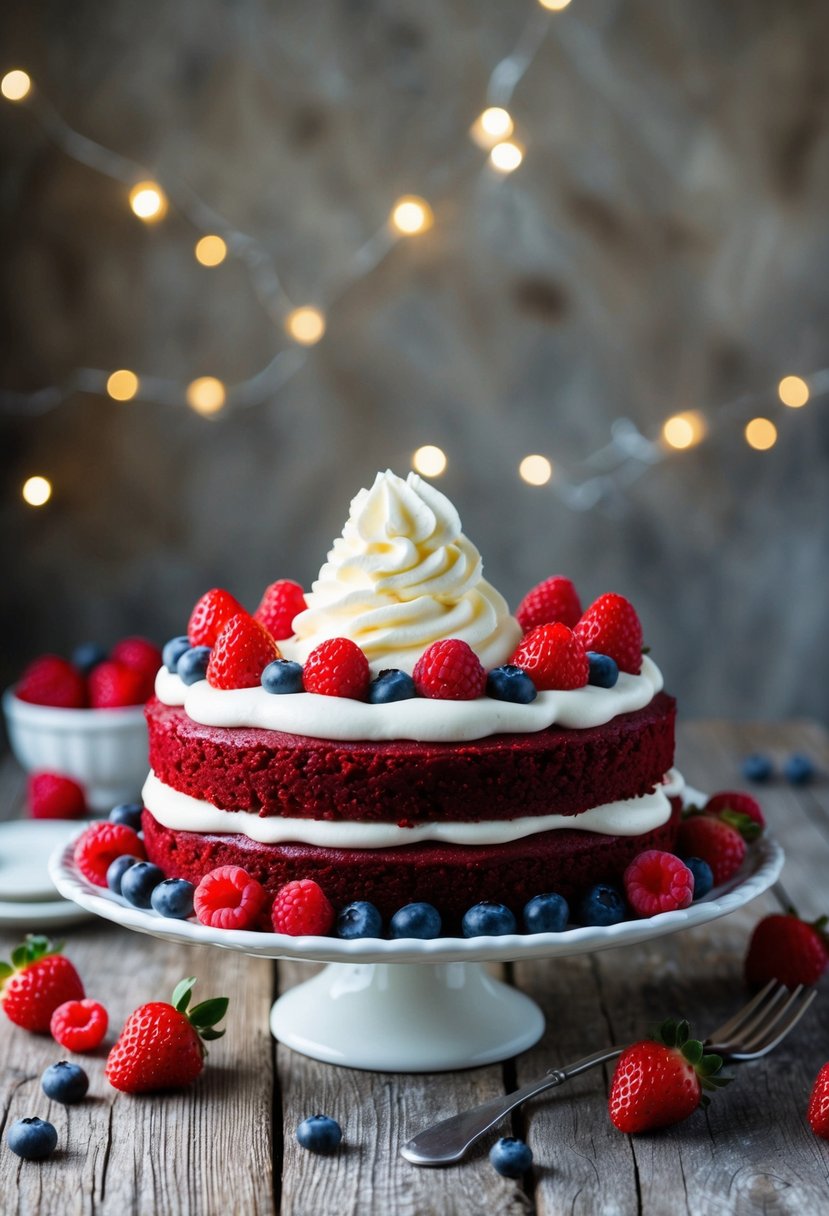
x=406 y=1017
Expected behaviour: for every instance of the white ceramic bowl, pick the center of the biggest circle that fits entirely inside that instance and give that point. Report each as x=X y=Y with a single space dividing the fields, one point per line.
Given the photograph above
x=105 y=750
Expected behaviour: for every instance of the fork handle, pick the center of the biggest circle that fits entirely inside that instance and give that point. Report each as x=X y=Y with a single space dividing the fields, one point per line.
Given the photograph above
x=448 y=1141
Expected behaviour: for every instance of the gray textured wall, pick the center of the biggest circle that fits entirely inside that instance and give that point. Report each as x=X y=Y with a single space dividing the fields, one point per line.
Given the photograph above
x=664 y=245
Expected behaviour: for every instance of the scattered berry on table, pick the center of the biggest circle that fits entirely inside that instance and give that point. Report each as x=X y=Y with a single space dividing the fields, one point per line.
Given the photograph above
x=139 y=882
x=602 y=905
x=610 y=626
x=818 y=1110
x=359 y=919
x=703 y=876
x=784 y=947
x=553 y=657
x=510 y=1157
x=449 y=670
x=50 y=680
x=511 y=683
x=229 y=898
x=210 y=615
x=556 y=599
x=192 y=664
x=798 y=769
x=161 y=1044
x=117 y=869
x=280 y=603
x=301 y=908
x=141 y=655
x=657 y=881
x=419 y=920
x=488 y=920
x=547 y=913
x=757 y=767
x=65 y=1082
x=173 y=650
x=174 y=897
x=282 y=676
x=114 y=686
x=52 y=796
x=391 y=685
x=319 y=1134
x=79 y=1025
x=39 y=979
x=32 y=1138
x=337 y=668
x=240 y=653
x=716 y=842
x=603 y=671
x=87 y=655
x=739 y=810
x=128 y=813
x=100 y=844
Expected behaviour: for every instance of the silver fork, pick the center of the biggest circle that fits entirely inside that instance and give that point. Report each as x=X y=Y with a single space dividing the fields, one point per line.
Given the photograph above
x=755 y=1030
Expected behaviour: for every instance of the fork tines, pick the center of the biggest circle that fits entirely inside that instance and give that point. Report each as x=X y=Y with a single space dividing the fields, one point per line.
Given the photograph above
x=763 y=1022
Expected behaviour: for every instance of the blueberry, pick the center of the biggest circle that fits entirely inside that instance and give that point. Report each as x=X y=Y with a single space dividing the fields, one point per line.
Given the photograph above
x=88 y=655
x=282 y=676
x=757 y=768
x=602 y=905
x=359 y=919
x=174 y=898
x=488 y=920
x=138 y=882
x=546 y=913
x=32 y=1138
x=192 y=665
x=510 y=683
x=319 y=1133
x=65 y=1082
x=117 y=869
x=391 y=685
x=128 y=813
x=510 y=1157
x=703 y=875
x=416 y=920
x=603 y=671
x=799 y=770
x=173 y=650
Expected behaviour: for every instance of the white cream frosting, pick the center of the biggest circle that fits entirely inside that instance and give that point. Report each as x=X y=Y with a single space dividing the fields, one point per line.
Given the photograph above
x=628 y=817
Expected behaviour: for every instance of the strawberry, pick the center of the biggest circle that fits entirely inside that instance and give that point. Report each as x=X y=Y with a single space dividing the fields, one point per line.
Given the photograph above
x=209 y=616
x=242 y=651
x=556 y=599
x=100 y=844
x=38 y=980
x=300 y=908
x=554 y=657
x=660 y=1081
x=50 y=680
x=658 y=882
x=79 y=1025
x=228 y=898
x=610 y=626
x=784 y=947
x=52 y=796
x=716 y=842
x=818 y=1112
x=112 y=686
x=161 y=1045
x=139 y=654
x=279 y=605
x=449 y=671
x=740 y=811
x=337 y=668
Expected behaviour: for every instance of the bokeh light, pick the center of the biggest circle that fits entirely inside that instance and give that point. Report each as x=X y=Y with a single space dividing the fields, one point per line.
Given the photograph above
x=206 y=396
x=411 y=215
x=16 y=85
x=36 y=491
x=684 y=430
x=761 y=434
x=554 y=6
x=211 y=250
x=122 y=385
x=148 y=201
x=494 y=124
x=793 y=391
x=305 y=325
x=535 y=470
x=429 y=460
x=506 y=156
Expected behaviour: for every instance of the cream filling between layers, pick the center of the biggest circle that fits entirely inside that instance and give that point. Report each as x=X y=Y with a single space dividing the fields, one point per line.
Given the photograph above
x=627 y=817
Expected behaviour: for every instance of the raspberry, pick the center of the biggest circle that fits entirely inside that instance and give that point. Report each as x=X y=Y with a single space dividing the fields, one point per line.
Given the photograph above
x=554 y=657
x=279 y=605
x=50 y=680
x=79 y=1025
x=112 y=685
x=740 y=811
x=337 y=668
x=301 y=908
x=228 y=898
x=241 y=653
x=51 y=796
x=715 y=842
x=210 y=615
x=139 y=654
x=450 y=671
x=100 y=844
x=658 y=882
x=610 y=626
x=553 y=600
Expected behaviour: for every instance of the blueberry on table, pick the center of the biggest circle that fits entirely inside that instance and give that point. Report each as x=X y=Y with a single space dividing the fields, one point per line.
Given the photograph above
x=757 y=768
x=117 y=869
x=602 y=905
x=192 y=665
x=798 y=769
x=282 y=676
x=546 y=913
x=173 y=898
x=418 y=920
x=88 y=655
x=511 y=683
x=488 y=920
x=32 y=1138
x=319 y=1133
x=128 y=813
x=139 y=882
x=65 y=1082
x=359 y=919
x=703 y=875
x=510 y=1157
x=602 y=670
x=391 y=685
x=173 y=650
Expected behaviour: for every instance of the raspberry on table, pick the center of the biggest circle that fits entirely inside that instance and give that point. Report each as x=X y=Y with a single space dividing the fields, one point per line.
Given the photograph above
x=79 y=1025
x=657 y=881
x=337 y=668
x=301 y=908
x=450 y=670
x=100 y=844
x=229 y=898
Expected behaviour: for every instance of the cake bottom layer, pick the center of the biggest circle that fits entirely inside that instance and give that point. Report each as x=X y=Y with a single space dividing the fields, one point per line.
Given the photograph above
x=452 y=877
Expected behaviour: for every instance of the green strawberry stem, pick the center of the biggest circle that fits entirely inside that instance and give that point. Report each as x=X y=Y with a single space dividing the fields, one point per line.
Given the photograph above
x=707 y=1067
x=31 y=950
x=202 y=1017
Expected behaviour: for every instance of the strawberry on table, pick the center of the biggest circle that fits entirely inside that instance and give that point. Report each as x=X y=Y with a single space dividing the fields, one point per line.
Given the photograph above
x=610 y=626
x=556 y=599
x=210 y=615
x=818 y=1112
x=50 y=680
x=280 y=603
x=714 y=841
x=783 y=947
x=242 y=651
x=554 y=657
x=38 y=980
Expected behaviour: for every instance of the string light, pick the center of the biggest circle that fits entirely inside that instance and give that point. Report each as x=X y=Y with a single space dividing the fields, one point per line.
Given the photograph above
x=761 y=434
x=148 y=201
x=411 y=215
x=429 y=460
x=16 y=85
x=210 y=250
x=305 y=325
x=793 y=392
x=506 y=156
x=493 y=124
x=36 y=491
x=684 y=430
x=554 y=6
x=122 y=385
x=206 y=396
x=535 y=470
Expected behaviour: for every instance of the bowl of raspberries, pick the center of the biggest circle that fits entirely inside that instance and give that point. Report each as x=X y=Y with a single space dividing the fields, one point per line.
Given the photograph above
x=84 y=717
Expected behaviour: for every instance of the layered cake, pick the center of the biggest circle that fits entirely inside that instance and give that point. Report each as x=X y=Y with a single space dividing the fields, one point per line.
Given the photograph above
x=517 y=761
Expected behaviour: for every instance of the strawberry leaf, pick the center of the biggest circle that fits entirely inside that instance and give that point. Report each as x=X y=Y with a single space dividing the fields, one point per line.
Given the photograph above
x=210 y=1034
x=5 y=971
x=182 y=992
x=692 y=1051
x=748 y=828
x=683 y=1033
x=208 y=1013
x=709 y=1065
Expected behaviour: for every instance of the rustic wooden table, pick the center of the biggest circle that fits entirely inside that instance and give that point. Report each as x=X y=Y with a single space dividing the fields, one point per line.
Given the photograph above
x=227 y=1145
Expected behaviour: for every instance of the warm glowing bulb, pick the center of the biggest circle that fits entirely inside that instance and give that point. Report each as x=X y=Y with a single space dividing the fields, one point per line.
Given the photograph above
x=684 y=430
x=429 y=460
x=36 y=491
x=793 y=391
x=15 y=86
x=555 y=6
x=148 y=201
x=492 y=125
x=122 y=385
x=506 y=156
x=761 y=434
x=305 y=325
x=210 y=250
x=535 y=470
x=206 y=395
x=411 y=215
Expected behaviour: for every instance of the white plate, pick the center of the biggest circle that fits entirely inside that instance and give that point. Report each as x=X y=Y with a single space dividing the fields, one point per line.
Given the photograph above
x=25 y=845
x=40 y=915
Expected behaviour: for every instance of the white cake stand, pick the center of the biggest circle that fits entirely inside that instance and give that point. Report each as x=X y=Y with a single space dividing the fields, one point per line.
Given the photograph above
x=415 y=1006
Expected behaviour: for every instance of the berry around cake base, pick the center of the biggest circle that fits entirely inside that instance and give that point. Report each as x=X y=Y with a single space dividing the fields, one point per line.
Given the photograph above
x=452 y=877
